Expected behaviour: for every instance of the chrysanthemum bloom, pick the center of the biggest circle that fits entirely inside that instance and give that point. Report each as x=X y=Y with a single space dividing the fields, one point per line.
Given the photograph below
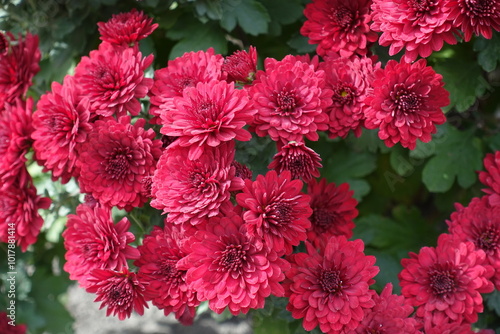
x=446 y=282
x=121 y=291
x=330 y=288
x=405 y=103
x=449 y=328
x=126 y=28
x=61 y=122
x=166 y=288
x=242 y=170
x=297 y=158
x=226 y=267
x=390 y=315
x=115 y=159
x=339 y=26
x=207 y=115
x=290 y=97
x=4 y=44
x=114 y=80
x=18 y=65
x=350 y=81
x=180 y=73
x=420 y=27
x=191 y=191
x=479 y=222
x=7 y=327
x=92 y=240
x=276 y=210
x=333 y=211
x=241 y=66
x=491 y=177
x=19 y=205
x=475 y=17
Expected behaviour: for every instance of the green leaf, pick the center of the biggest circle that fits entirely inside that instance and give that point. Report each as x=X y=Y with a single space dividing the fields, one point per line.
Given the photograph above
x=301 y=44
x=493 y=301
x=488 y=52
x=458 y=157
x=389 y=269
x=250 y=15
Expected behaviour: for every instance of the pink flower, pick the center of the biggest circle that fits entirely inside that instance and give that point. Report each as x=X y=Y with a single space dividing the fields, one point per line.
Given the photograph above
x=114 y=161
x=61 y=122
x=207 y=115
x=92 y=240
x=121 y=291
x=406 y=103
x=475 y=17
x=241 y=66
x=445 y=283
x=290 y=97
x=491 y=177
x=339 y=26
x=226 y=267
x=113 y=79
x=420 y=27
x=330 y=288
x=297 y=158
x=276 y=210
x=126 y=28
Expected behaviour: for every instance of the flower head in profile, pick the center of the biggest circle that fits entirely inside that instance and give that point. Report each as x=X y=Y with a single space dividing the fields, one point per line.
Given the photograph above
x=226 y=267
x=339 y=26
x=115 y=159
x=491 y=176
x=277 y=211
x=92 y=240
x=477 y=18
x=120 y=291
x=61 y=122
x=297 y=158
x=241 y=66
x=330 y=288
x=405 y=103
x=126 y=28
x=113 y=79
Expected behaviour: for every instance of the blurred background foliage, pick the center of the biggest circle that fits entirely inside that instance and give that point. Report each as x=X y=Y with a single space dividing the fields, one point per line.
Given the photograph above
x=404 y=196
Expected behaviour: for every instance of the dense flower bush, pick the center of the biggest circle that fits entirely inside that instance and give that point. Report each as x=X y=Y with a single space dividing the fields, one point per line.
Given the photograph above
x=329 y=184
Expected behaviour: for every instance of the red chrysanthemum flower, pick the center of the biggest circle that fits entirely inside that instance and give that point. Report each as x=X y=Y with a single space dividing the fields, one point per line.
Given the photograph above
x=330 y=288
x=19 y=205
x=479 y=222
x=333 y=211
x=191 y=191
x=180 y=73
x=449 y=328
x=226 y=267
x=61 y=122
x=390 y=315
x=121 y=291
x=207 y=115
x=9 y=326
x=18 y=65
x=276 y=210
x=4 y=44
x=242 y=171
x=419 y=26
x=113 y=80
x=290 y=97
x=491 y=177
x=126 y=28
x=339 y=26
x=350 y=80
x=166 y=288
x=405 y=103
x=92 y=240
x=241 y=66
x=114 y=161
x=297 y=158
x=446 y=282
x=475 y=17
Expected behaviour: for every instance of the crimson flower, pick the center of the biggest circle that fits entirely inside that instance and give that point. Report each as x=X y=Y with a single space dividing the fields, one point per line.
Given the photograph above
x=7 y=328
x=445 y=283
x=166 y=284
x=475 y=17
x=405 y=103
x=126 y=28
x=241 y=66
x=92 y=240
x=290 y=97
x=113 y=79
x=226 y=267
x=4 y=44
x=61 y=122
x=276 y=210
x=207 y=115
x=297 y=158
x=121 y=291
x=491 y=177
x=330 y=288
x=339 y=26
x=115 y=159
x=420 y=27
